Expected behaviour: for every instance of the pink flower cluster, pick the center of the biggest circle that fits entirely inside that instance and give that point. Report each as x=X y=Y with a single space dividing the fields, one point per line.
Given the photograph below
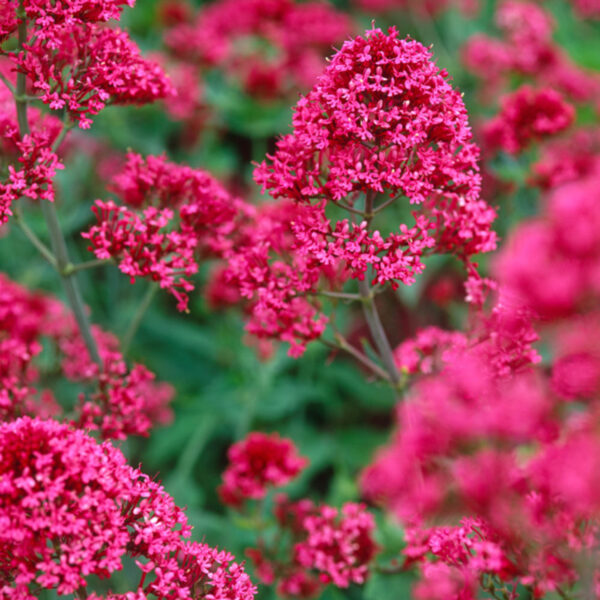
x=279 y=280
x=427 y=350
x=73 y=61
x=383 y=122
x=72 y=508
x=551 y=263
x=34 y=163
x=43 y=15
x=336 y=544
x=83 y=68
x=171 y=216
x=489 y=439
x=425 y=8
x=526 y=48
x=269 y=47
x=527 y=116
x=121 y=402
x=257 y=462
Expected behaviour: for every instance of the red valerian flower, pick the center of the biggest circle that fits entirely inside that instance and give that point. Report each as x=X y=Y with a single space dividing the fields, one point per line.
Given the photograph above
x=339 y=544
x=257 y=462
x=72 y=508
x=82 y=68
x=120 y=400
x=527 y=115
x=173 y=216
x=32 y=162
x=575 y=156
x=383 y=120
x=526 y=48
x=270 y=47
x=551 y=263
x=42 y=15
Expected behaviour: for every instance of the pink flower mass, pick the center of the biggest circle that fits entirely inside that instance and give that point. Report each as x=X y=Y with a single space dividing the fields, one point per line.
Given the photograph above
x=435 y=423
x=72 y=508
x=257 y=462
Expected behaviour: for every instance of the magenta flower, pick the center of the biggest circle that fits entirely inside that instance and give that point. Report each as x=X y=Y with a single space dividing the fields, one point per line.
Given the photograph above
x=339 y=544
x=527 y=116
x=256 y=463
x=71 y=508
x=383 y=122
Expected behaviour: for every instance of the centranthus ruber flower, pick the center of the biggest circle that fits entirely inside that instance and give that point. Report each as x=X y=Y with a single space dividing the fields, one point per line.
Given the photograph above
x=339 y=544
x=85 y=67
x=120 y=400
x=171 y=217
x=324 y=546
x=32 y=163
x=72 y=509
x=381 y=123
x=270 y=48
x=526 y=48
x=256 y=463
x=527 y=115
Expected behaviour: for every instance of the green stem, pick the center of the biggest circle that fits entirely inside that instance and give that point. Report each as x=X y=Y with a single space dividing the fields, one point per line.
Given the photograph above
x=342 y=344
x=377 y=331
x=372 y=315
x=8 y=84
x=21 y=101
x=138 y=316
x=340 y=296
x=34 y=239
x=88 y=264
x=57 y=240
x=59 y=247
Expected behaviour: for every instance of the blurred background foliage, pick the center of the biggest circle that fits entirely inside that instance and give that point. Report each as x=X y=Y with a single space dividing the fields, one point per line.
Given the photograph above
x=326 y=404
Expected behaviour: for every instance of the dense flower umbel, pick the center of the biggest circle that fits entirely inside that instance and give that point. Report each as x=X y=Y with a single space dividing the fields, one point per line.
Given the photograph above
x=575 y=156
x=172 y=216
x=268 y=267
x=120 y=402
x=551 y=263
x=527 y=116
x=526 y=48
x=82 y=68
x=33 y=163
x=383 y=120
x=339 y=544
x=257 y=462
x=123 y=402
x=71 y=508
x=43 y=14
x=270 y=47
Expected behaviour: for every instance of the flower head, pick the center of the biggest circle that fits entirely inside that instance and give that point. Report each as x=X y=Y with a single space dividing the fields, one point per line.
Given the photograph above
x=258 y=461
x=72 y=508
x=382 y=120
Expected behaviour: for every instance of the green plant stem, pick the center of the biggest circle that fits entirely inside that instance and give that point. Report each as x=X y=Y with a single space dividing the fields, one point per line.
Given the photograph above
x=57 y=240
x=8 y=84
x=85 y=265
x=340 y=296
x=138 y=316
x=376 y=328
x=372 y=315
x=59 y=247
x=34 y=239
x=345 y=346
